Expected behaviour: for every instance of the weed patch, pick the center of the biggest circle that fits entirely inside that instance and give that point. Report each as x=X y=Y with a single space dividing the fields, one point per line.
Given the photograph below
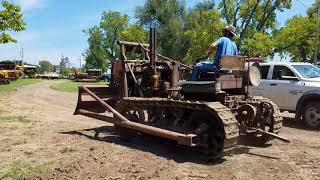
x=11 y=119
x=70 y=86
x=14 y=85
x=19 y=170
x=6 y=143
x=67 y=149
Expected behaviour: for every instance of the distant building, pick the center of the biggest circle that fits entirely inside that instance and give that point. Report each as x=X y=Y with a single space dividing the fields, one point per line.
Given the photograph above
x=64 y=65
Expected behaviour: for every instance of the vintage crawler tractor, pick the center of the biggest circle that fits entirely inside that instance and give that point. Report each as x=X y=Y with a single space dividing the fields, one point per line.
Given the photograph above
x=91 y=75
x=152 y=96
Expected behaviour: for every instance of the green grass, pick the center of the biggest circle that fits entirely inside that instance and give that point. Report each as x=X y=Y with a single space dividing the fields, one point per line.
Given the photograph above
x=19 y=170
x=70 y=86
x=14 y=85
x=67 y=149
x=10 y=123
x=10 y=119
x=66 y=86
x=6 y=144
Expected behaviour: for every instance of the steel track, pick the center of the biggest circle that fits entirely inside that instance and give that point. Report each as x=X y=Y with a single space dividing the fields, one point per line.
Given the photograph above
x=224 y=114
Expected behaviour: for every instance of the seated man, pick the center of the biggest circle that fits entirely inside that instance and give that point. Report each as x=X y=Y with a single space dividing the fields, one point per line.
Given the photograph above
x=224 y=46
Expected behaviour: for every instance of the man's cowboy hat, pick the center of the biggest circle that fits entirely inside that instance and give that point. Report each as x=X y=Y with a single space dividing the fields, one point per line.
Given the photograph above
x=231 y=29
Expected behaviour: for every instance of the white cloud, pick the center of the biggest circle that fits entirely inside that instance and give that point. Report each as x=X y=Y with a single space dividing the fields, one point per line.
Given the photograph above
x=31 y=4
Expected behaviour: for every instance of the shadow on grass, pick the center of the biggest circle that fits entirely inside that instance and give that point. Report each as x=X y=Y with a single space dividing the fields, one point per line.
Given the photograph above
x=160 y=147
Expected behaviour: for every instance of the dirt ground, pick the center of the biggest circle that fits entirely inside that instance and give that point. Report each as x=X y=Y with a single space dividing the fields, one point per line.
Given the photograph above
x=63 y=147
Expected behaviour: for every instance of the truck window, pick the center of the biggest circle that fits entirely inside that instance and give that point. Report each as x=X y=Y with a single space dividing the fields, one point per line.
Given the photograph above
x=264 y=71
x=277 y=72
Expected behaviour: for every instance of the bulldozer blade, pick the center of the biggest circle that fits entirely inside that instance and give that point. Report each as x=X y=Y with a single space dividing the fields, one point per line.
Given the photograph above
x=274 y=135
x=87 y=102
x=119 y=119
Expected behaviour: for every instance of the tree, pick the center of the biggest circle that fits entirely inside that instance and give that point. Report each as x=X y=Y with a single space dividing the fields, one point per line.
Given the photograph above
x=297 y=37
x=103 y=39
x=95 y=56
x=168 y=16
x=258 y=15
x=10 y=20
x=203 y=28
x=111 y=25
x=135 y=33
x=45 y=66
x=252 y=16
x=261 y=44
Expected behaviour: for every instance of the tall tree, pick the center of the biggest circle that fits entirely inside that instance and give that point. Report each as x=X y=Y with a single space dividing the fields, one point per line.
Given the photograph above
x=10 y=20
x=203 y=28
x=45 y=66
x=103 y=39
x=95 y=56
x=297 y=38
x=135 y=33
x=252 y=16
x=168 y=16
x=260 y=44
x=111 y=25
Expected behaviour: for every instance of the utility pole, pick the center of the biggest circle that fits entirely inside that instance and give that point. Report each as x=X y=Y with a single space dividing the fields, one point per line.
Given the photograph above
x=22 y=54
x=317 y=36
x=80 y=62
x=22 y=57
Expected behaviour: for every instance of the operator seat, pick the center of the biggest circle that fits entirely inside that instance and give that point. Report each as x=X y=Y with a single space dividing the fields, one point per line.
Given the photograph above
x=227 y=65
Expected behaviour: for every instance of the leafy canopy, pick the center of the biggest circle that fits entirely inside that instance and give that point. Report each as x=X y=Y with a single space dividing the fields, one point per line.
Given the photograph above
x=185 y=34
x=102 y=39
x=10 y=20
x=95 y=55
x=45 y=66
x=168 y=16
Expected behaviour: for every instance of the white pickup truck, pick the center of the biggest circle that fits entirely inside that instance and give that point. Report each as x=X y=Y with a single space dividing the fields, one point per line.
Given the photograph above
x=294 y=87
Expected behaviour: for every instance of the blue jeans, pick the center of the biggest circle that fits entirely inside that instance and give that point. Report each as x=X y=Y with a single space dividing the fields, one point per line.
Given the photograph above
x=201 y=66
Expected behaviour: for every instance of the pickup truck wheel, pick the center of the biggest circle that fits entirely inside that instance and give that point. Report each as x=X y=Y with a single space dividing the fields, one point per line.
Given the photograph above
x=311 y=115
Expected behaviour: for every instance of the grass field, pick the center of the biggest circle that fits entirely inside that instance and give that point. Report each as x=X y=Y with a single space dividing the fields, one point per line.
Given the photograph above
x=19 y=170
x=14 y=85
x=70 y=86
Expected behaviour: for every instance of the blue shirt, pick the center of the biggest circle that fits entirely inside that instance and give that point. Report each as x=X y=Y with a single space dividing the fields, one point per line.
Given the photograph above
x=225 y=46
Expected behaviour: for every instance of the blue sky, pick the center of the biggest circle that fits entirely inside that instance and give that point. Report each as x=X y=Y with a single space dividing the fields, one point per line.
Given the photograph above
x=54 y=27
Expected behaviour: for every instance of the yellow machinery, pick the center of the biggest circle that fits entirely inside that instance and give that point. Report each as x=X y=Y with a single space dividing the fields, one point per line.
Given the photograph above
x=91 y=75
x=13 y=75
x=12 y=70
x=4 y=79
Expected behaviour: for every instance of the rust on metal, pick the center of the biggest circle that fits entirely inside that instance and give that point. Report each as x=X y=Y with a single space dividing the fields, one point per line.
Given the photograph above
x=153 y=95
x=184 y=139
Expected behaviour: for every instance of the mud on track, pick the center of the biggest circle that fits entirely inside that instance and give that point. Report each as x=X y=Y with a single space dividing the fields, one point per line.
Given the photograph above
x=66 y=145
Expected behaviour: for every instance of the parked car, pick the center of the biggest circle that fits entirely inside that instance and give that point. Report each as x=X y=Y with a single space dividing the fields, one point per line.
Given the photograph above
x=106 y=76
x=294 y=87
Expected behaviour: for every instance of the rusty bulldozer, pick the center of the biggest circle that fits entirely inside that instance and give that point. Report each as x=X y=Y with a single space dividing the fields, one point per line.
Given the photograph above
x=153 y=96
